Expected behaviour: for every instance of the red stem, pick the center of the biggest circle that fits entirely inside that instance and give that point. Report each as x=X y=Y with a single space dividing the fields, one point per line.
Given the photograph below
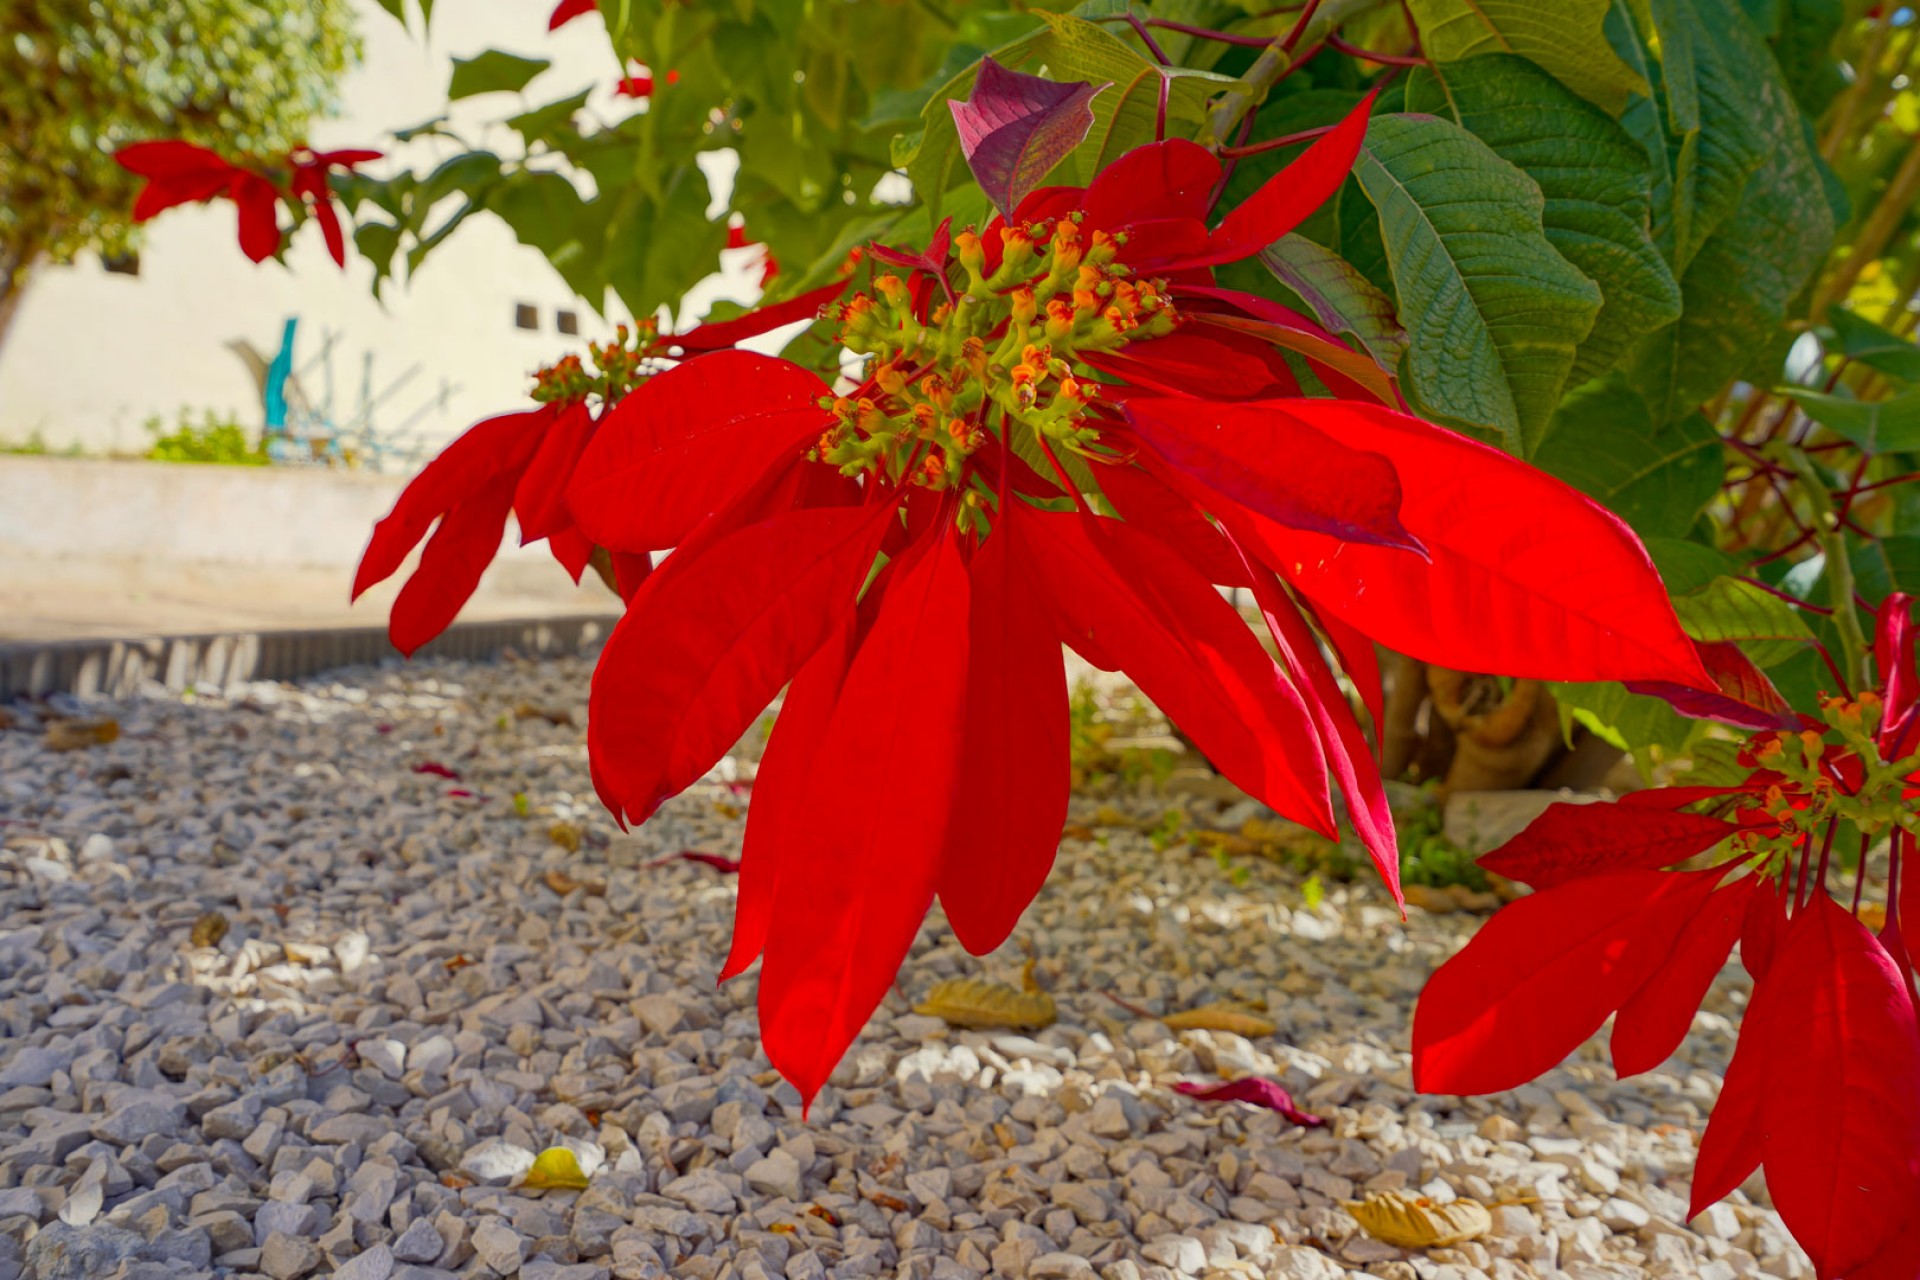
x=1146 y=38
x=1384 y=59
x=1274 y=144
x=1860 y=873
x=1788 y=597
x=1233 y=162
x=1300 y=25
x=1073 y=490
x=1208 y=33
x=1806 y=854
x=1833 y=668
x=1826 y=853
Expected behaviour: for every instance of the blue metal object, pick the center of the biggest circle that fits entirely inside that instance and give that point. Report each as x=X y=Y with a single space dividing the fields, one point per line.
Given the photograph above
x=277 y=374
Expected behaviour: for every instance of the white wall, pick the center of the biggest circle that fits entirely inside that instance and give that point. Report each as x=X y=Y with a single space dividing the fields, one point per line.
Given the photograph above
x=91 y=355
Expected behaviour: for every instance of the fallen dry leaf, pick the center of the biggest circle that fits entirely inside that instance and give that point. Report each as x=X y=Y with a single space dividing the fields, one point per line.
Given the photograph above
x=75 y=735
x=209 y=929
x=563 y=884
x=566 y=835
x=975 y=1002
x=1234 y=1018
x=1258 y=1092
x=1415 y=1222
x=552 y=715
x=555 y=1169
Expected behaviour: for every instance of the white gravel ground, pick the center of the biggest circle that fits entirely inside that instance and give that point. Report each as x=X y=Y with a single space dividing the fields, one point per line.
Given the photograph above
x=404 y=1010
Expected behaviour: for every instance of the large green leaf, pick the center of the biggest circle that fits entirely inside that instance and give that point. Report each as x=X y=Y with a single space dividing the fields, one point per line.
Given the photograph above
x=1655 y=476
x=492 y=72
x=1593 y=175
x=1885 y=565
x=1494 y=313
x=1767 y=627
x=1739 y=285
x=1630 y=721
x=1861 y=340
x=1564 y=36
x=1713 y=66
x=1338 y=296
x=1066 y=48
x=1877 y=426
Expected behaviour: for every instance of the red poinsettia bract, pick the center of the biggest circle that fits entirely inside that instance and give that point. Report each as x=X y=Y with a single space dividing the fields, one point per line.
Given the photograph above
x=1832 y=1017
x=181 y=173
x=521 y=463
x=1066 y=433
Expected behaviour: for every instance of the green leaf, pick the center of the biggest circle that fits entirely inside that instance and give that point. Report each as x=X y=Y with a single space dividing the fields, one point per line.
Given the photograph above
x=1656 y=477
x=1630 y=721
x=1335 y=293
x=1686 y=565
x=1713 y=66
x=1876 y=426
x=1493 y=311
x=1067 y=48
x=1768 y=628
x=1564 y=36
x=551 y=124
x=1863 y=341
x=1593 y=175
x=493 y=72
x=1885 y=565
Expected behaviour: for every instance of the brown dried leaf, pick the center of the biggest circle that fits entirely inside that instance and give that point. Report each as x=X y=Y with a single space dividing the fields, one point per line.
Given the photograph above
x=209 y=929
x=552 y=715
x=1226 y=1016
x=975 y=1002
x=566 y=835
x=74 y=735
x=563 y=884
x=1415 y=1222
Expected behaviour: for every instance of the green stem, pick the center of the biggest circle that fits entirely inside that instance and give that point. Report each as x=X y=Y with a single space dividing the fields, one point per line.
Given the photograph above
x=1839 y=570
x=1273 y=65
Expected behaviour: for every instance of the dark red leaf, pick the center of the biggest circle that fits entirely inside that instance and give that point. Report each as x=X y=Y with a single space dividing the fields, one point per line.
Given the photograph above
x=861 y=879
x=1847 y=1039
x=672 y=452
x=1760 y=931
x=1015 y=127
x=1347 y=373
x=1285 y=200
x=572 y=550
x=177 y=173
x=1264 y=460
x=259 y=206
x=567 y=10
x=1497 y=594
x=1169 y=181
x=709 y=641
x=726 y=333
x=1261 y=1093
x=1742 y=696
x=1569 y=841
x=1731 y=1148
x=1893 y=659
x=1360 y=660
x=1543 y=974
x=1651 y=1025
x=539 y=501
x=1015 y=770
x=718 y=861
x=437 y=769
x=459 y=551
x=1125 y=601
x=1143 y=499
x=1217 y=364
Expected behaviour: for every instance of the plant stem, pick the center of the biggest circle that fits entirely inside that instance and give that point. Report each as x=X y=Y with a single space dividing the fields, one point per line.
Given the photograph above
x=1865 y=72
x=1875 y=233
x=1274 y=144
x=1317 y=21
x=1839 y=573
x=1372 y=55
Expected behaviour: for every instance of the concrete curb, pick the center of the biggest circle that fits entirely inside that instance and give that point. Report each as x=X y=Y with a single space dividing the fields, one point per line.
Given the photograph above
x=117 y=668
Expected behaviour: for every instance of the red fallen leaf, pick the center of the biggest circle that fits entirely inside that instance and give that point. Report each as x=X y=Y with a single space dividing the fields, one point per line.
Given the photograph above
x=437 y=769
x=1743 y=695
x=461 y=793
x=1845 y=1034
x=1261 y=1093
x=718 y=861
x=1543 y=974
x=1014 y=128
x=1568 y=841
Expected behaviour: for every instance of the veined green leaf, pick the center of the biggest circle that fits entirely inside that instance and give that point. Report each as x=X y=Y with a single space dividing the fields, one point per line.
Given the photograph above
x=1593 y=175
x=1685 y=565
x=1629 y=721
x=1564 y=36
x=1877 y=426
x=552 y=123
x=492 y=72
x=1068 y=49
x=1493 y=311
x=1655 y=476
x=1861 y=340
x=1767 y=627
x=1338 y=296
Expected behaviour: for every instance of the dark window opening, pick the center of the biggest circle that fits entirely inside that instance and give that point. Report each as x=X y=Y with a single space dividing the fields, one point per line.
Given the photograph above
x=526 y=316
x=567 y=322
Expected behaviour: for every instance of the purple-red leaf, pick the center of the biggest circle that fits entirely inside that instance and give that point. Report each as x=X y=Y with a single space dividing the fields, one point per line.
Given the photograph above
x=855 y=886
x=1015 y=771
x=1261 y=1093
x=1014 y=128
x=1543 y=974
x=1568 y=841
x=1743 y=695
x=726 y=333
x=438 y=770
x=1893 y=658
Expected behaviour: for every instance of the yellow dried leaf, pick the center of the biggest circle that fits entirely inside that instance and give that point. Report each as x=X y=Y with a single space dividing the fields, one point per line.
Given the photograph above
x=209 y=929
x=975 y=1002
x=563 y=884
x=566 y=835
x=1415 y=1222
x=73 y=735
x=1234 y=1018
x=555 y=1169
x=552 y=715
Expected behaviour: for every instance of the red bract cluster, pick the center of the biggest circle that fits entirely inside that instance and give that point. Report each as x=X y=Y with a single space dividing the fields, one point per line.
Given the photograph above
x=521 y=463
x=180 y=173
x=1068 y=433
x=1832 y=1015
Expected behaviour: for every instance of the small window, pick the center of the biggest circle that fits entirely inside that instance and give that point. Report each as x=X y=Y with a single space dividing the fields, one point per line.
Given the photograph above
x=122 y=264
x=526 y=316
x=567 y=322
